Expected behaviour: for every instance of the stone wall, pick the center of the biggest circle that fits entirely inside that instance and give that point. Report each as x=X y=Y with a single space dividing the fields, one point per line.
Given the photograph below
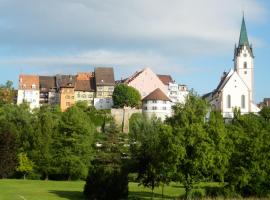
x=122 y=116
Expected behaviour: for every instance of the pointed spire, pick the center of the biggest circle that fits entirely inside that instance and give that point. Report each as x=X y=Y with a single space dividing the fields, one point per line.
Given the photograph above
x=243 y=39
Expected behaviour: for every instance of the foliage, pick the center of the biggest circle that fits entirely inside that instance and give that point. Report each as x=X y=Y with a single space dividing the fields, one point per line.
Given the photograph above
x=103 y=183
x=154 y=150
x=199 y=150
x=8 y=156
x=25 y=164
x=7 y=93
x=125 y=95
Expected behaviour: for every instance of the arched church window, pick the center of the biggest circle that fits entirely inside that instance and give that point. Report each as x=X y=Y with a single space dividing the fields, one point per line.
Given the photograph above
x=245 y=65
x=228 y=101
x=243 y=101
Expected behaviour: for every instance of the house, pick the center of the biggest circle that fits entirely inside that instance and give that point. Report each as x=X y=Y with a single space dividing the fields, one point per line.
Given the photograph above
x=176 y=92
x=157 y=104
x=48 y=90
x=145 y=81
x=265 y=103
x=236 y=87
x=105 y=83
x=28 y=90
x=66 y=84
x=85 y=88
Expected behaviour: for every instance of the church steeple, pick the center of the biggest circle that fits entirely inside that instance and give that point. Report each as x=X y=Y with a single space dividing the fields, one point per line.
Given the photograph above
x=243 y=39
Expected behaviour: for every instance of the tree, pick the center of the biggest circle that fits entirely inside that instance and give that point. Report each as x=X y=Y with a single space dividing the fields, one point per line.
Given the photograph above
x=73 y=144
x=188 y=124
x=25 y=164
x=125 y=95
x=265 y=113
x=8 y=154
x=7 y=93
x=155 y=152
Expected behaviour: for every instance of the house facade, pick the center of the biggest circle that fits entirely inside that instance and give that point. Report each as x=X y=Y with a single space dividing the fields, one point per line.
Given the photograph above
x=157 y=104
x=105 y=83
x=28 y=90
x=48 y=90
x=67 y=95
x=236 y=87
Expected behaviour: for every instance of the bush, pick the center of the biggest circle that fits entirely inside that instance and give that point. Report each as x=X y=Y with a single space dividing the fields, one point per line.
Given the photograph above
x=106 y=184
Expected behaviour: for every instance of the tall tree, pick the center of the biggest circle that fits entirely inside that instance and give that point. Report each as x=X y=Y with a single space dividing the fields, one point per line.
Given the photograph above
x=25 y=164
x=188 y=124
x=7 y=93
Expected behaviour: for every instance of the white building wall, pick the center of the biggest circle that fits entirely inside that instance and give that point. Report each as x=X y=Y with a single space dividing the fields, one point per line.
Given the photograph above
x=246 y=72
x=235 y=87
x=177 y=93
x=103 y=103
x=160 y=109
x=29 y=96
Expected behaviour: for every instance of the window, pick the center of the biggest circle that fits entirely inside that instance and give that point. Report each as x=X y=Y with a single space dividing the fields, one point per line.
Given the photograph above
x=154 y=108
x=245 y=65
x=228 y=101
x=164 y=102
x=67 y=103
x=99 y=94
x=145 y=108
x=83 y=96
x=243 y=101
x=245 y=72
x=154 y=101
x=67 y=97
x=78 y=95
x=164 y=108
x=33 y=86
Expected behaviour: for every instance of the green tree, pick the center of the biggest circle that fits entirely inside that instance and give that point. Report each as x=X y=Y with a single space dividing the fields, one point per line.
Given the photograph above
x=188 y=124
x=73 y=144
x=7 y=93
x=8 y=154
x=265 y=113
x=155 y=151
x=25 y=164
x=125 y=95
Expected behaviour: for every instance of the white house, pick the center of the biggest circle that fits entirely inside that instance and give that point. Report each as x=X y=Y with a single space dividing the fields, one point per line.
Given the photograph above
x=157 y=104
x=176 y=92
x=236 y=87
x=28 y=90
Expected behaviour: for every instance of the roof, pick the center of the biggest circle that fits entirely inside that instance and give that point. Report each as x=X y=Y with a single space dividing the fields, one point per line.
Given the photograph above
x=132 y=77
x=29 y=82
x=85 y=82
x=65 y=80
x=104 y=76
x=157 y=94
x=47 y=82
x=166 y=79
x=243 y=39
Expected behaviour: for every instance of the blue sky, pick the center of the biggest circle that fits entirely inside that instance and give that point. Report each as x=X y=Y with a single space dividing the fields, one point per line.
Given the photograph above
x=192 y=40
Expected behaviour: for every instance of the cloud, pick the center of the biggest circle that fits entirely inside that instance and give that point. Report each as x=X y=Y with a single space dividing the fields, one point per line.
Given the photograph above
x=170 y=27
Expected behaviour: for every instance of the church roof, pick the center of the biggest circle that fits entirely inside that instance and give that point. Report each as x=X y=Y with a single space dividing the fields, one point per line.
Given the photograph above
x=243 y=39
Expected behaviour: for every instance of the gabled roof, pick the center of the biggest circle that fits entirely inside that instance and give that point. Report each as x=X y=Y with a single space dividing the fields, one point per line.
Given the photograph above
x=29 y=82
x=104 y=76
x=47 y=82
x=85 y=82
x=157 y=94
x=132 y=77
x=65 y=81
x=166 y=79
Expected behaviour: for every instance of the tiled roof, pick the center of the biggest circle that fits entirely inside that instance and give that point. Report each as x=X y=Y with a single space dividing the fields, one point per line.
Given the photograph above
x=104 y=76
x=85 y=85
x=47 y=82
x=29 y=82
x=166 y=79
x=85 y=76
x=65 y=80
x=157 y=94
x=132 y=77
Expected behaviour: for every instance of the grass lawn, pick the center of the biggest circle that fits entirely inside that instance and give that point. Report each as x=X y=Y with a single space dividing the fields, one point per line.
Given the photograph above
x=12 y=189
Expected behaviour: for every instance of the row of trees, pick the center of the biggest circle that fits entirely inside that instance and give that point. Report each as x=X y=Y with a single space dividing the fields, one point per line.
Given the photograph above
x=191 y=148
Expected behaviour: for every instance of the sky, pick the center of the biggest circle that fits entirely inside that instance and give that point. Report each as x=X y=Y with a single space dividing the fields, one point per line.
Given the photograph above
x=192 y=40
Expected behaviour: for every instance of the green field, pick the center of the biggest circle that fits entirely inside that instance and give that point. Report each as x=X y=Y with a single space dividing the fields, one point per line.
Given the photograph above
x=11 y=189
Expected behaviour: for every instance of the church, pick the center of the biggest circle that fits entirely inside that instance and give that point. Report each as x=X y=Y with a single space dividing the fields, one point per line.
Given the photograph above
x=236 y=87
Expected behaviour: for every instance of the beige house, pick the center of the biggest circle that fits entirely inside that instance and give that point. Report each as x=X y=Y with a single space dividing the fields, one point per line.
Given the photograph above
x=104 y=81
x=145 y=81
x=84 y=88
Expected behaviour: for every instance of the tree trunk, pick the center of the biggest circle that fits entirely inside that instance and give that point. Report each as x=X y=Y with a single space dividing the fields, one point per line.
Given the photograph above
x=46 y=177
x=24 y=176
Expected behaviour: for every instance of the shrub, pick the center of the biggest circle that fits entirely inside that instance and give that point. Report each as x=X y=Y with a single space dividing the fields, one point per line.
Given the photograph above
x=105 y=183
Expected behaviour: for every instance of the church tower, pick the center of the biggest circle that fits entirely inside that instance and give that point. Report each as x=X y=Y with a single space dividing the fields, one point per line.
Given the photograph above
x=243 y=60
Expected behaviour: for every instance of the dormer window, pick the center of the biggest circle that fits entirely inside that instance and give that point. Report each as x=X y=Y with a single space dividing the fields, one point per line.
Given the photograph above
x=33 y=86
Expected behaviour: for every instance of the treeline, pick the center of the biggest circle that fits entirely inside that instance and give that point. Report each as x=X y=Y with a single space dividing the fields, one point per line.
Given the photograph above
x=192 y=146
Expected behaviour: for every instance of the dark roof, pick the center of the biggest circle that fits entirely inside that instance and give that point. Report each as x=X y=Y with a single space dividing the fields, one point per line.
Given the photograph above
x=104 y=76
x=85 y=85
x=157 y=94
x=65 y=80
x=166 y=79
x=47 y=82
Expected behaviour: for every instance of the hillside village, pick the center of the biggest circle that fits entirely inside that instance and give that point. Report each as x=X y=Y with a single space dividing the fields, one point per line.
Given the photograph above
x=158 y=91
